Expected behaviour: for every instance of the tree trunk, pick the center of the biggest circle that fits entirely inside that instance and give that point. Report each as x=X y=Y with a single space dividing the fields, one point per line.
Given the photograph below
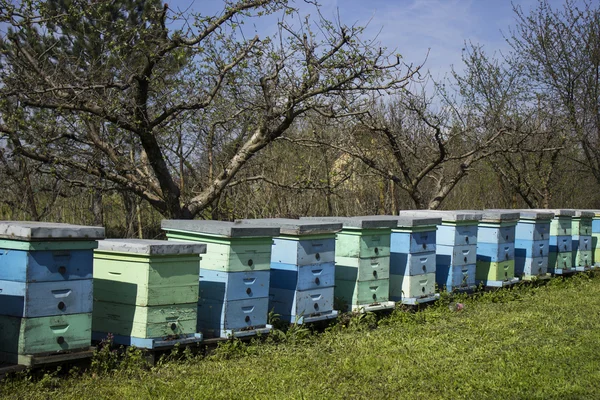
x=96 y=208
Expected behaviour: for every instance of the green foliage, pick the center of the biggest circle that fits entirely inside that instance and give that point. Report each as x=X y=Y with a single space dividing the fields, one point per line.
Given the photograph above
x=232 y=349
x=108 y=359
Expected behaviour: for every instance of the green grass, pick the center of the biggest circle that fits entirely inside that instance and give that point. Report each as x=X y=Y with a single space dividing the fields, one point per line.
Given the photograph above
x=531 y=342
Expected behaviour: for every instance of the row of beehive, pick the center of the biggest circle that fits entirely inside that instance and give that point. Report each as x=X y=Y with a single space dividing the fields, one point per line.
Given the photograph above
x=46 y=305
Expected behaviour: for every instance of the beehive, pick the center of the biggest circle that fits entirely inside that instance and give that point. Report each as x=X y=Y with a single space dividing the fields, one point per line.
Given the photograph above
x=560 y=251
x=532 y=244
x=146 y=291
x=595 y=238
x=496 y=248
x=582 y=240
x=237 y=256
x=362 y=263
x=301 y=289
x=413 y=259
x=456 y=248
x=45 y=288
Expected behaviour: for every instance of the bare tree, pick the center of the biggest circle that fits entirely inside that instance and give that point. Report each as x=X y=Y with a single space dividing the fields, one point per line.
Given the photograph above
x=559 y=50
x=105 y=88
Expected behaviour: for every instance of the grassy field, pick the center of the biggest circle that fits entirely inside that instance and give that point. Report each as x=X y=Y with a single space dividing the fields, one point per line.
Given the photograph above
x=531 y=342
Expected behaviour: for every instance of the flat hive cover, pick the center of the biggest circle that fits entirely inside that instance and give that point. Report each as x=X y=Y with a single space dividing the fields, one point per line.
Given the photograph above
x=289 y=226
x=151 y=247
x=408 y=221
x=221 y=228
x=532 y=214
x=559 y=212
x=37 y=231
x=584 y=213
x=496 y=216
x=360 y=222
x=446 y=215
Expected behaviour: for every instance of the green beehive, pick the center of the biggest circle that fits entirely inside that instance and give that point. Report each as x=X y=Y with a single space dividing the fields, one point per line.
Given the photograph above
x=145 y=289
x=560 y=255
x=582 y=239
x=362 y=262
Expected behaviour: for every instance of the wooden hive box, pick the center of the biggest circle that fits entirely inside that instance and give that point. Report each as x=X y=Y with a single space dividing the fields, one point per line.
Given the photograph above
x=532 y=245
x=456 y=248
x=302 y=269
x=45 y=287
x=146 y=290
x=362 y=262
x=595 y=238
x=413 y=259
x=496 y=248
x=560 y=249
x=582 y=240
x=239 y=252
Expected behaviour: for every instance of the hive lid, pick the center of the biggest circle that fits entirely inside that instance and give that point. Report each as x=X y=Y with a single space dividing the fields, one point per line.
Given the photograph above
x=36 y=231
x=495 y=216
x=151 y=247
x=527 y=213
x=559 y=212
x=446 y=215
x=359 y=222
x=583 y=213
x=220 y=228
x=296 y=227
x=407 y=221
x=596 y=212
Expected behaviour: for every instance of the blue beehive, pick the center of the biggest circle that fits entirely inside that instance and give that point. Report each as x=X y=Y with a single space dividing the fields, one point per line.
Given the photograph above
x=234 y=274
x=456 y=248
x=532 y=244
x=362 y=263
x=496 y=248
x=560 y=250
x=413 y=259
x=302 y=269
x=45 y=288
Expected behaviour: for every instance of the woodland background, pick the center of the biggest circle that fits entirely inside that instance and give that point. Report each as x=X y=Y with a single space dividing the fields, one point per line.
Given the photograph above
x=123 y=113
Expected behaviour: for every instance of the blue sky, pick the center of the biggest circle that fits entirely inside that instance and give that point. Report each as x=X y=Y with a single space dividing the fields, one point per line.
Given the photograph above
x=413 y=27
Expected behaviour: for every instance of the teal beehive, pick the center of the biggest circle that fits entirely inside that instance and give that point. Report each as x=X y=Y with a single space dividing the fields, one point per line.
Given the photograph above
x=45 y=288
